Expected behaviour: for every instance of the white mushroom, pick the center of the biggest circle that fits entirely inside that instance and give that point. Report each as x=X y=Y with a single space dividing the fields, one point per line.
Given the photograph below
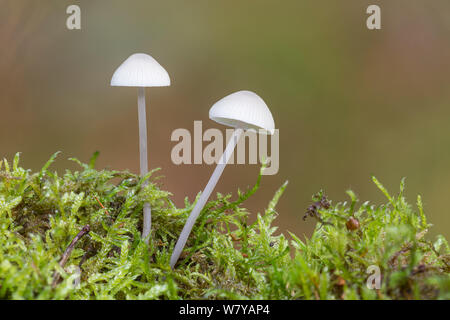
x=141 y=70
x=242 y=110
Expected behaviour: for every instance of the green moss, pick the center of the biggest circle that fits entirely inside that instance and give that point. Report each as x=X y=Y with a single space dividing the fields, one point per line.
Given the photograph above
x=226 y=256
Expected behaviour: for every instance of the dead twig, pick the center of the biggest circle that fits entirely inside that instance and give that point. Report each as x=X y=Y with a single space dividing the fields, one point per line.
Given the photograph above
x=107 y=213
x=68 y=251
x=7 y=176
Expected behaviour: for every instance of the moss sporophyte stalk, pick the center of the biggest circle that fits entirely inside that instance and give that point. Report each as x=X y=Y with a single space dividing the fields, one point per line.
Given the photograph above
x=77 y=235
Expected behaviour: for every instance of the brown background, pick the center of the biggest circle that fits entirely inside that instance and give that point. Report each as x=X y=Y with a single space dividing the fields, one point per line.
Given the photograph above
x=349 y=102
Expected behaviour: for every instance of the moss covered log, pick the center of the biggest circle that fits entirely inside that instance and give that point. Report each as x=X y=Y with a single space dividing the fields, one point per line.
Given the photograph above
x=78 y=236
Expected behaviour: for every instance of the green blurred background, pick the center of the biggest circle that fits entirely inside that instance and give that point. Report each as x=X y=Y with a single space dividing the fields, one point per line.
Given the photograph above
x=349 y=102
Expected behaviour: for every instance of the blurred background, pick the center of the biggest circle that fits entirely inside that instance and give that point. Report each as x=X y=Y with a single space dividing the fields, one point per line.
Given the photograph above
x=349 y=102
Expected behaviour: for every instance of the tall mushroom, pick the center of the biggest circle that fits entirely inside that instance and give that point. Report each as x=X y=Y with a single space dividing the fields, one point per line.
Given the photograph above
x=141 y=70
x=242 y=110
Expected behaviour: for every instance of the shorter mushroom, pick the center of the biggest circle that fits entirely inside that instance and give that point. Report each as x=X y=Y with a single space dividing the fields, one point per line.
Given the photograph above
x=242 y=110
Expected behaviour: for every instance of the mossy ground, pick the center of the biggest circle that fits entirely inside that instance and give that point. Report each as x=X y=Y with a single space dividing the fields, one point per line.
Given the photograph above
x=226 y=256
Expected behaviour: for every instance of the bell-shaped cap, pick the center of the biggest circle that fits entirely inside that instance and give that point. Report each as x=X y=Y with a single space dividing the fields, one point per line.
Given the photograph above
x=245 y=110
x=140 y=70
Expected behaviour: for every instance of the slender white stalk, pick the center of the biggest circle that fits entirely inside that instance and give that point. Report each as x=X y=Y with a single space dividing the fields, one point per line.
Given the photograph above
x=204 y=197
x=143 y=159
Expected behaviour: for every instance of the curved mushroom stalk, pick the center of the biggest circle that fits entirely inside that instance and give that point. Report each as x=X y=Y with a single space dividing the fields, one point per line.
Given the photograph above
x=204 y=196
x=242 y=110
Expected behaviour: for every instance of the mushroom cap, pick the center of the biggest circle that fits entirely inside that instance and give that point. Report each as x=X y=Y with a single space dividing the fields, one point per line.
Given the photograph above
x=140 y=70
x=245 y=110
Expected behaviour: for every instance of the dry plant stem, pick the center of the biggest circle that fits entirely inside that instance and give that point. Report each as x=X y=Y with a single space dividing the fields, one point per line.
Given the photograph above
x=101 y=205
x=204 y=197
x=143 y=160
x=68 y=251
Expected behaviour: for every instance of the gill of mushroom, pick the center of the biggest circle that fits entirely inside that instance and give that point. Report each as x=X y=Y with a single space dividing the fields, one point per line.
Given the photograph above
x=242 y=110
x=141 y=70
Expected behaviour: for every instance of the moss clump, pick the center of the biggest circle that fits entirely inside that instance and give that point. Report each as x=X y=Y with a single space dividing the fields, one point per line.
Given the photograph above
x=226 y=256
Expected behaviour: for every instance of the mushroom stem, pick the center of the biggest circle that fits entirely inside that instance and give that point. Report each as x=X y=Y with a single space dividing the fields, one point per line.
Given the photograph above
x=204 y=196
x=143 y=159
